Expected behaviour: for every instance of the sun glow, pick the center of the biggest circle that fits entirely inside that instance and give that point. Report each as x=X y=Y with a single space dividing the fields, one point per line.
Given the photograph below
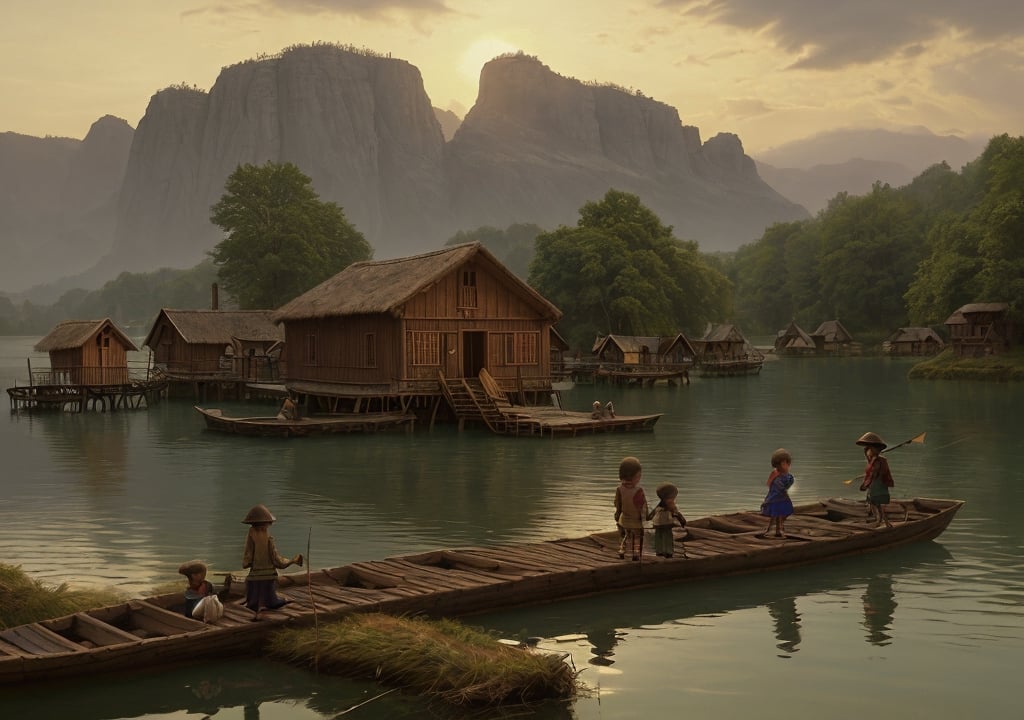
x=477 y=55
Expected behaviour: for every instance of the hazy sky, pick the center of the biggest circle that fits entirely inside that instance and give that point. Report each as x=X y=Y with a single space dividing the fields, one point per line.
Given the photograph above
x=768 y=70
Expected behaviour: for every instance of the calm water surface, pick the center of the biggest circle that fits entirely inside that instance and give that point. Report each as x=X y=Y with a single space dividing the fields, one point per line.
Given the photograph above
x=937 y=629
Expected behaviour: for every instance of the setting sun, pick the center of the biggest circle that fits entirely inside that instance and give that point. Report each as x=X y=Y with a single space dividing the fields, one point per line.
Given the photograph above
x=477 y=55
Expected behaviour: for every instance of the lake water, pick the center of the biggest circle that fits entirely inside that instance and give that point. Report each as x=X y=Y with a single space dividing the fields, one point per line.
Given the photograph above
x=937 y=629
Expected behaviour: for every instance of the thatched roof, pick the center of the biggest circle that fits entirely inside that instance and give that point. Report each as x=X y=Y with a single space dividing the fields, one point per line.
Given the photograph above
x=557 y=341
x=627 y=343
x=75 y=333
x=793 y=337
x=667 y=343
x=219 y=327
x=722 y=333
x=833 y=332
x=915 y=334
x=384 y=286
x=957 y=318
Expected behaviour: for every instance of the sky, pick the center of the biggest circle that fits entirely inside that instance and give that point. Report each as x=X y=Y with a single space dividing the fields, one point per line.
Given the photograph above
x=771 y=71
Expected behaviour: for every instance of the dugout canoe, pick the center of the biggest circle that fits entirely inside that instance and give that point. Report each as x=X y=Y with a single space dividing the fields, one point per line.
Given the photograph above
x=272 y=426
x=153 y=631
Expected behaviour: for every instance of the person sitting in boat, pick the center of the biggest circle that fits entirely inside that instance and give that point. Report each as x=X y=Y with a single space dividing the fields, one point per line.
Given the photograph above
x=289 y=410
x=603 y=413
x=198 y=586
x=877 y=476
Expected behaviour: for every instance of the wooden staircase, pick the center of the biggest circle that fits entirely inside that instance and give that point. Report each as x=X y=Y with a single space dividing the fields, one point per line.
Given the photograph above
x=471 y=400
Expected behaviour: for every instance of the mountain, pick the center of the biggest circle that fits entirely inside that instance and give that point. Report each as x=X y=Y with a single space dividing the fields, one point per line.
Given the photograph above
x=810 y=171
x=57 y=200
x=535 y=147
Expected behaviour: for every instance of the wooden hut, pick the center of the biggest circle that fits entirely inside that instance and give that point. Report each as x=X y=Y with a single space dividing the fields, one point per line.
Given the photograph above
x=87 y=352
x=393 y=329
x=724 y=350
x=979 y=329
x=642 y=359
x=792 y=340
x=913 y=341
x=193 y=345
x=831 y=338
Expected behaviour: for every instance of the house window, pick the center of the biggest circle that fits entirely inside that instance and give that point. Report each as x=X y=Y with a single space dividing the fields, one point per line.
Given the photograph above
x=467 y=290
x=370 y=357
x=519 y=348
x=311 y=354
x=425 y=348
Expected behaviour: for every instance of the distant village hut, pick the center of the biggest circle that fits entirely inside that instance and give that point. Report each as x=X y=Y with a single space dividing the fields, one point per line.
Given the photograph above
x=831 y=338
x=792 y=340
x=391 y=329
x=724 y=350
x=917 y=341
x=626 y=349
x=195 y=345
x=87 y=352
x=979 y=329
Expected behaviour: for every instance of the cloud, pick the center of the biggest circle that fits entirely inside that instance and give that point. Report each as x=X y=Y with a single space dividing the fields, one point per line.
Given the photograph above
x=987 y=76
x=743 y=108
x=364 y=8
x=830 y=35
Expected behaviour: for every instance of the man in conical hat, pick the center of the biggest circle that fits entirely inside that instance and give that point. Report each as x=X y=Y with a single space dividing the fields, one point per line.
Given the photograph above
x=877 y=476
x=263 y=560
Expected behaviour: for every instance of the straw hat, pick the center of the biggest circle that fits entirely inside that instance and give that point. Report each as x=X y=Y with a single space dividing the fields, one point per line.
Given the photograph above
x=259 y=514
x=192 y=567
x=870 y=438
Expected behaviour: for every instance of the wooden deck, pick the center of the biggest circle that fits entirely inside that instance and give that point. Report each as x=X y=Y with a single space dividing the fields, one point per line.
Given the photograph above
x=79 y=398
x=546 y=421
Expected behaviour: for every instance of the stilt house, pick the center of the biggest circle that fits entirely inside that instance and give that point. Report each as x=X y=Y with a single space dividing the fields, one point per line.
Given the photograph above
x=86 y=352
x=393 y=328
x=979 y=329
x=641 y=351
x=913 y=341
x=206 y=344
x=794 y=341
x=831 y=338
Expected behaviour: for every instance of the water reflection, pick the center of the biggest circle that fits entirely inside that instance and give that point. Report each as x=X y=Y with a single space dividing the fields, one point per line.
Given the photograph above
x=787 y=624
x=879 y=606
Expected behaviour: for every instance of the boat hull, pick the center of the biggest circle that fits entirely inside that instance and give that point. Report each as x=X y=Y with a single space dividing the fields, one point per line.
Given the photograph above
x=314 y=425
x=154 y=631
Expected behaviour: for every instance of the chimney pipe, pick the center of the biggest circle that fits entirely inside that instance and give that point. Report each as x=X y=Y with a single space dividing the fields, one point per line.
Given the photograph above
x=214 y=301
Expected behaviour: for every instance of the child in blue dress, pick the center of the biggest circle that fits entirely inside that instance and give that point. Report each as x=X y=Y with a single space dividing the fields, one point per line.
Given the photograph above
x=777 y=506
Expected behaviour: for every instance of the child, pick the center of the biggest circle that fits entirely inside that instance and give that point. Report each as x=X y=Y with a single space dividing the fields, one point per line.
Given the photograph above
x=665 y=514
x=777 y=506
x=263 y=561
x=877 y=476
x=630 y=508
x=198 y=586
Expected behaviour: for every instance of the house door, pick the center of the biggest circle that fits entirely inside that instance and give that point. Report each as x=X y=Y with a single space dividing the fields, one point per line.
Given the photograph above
x=474 y=353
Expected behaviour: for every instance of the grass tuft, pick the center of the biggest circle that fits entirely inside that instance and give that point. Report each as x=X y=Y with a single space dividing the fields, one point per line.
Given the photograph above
x=442 y=659
x=24 y=600
x=998 y=368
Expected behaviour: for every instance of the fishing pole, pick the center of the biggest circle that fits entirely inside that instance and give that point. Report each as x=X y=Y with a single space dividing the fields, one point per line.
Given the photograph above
x=917 y=439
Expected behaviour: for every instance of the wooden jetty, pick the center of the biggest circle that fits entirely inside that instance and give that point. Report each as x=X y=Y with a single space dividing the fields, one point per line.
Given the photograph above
x=77 y=397
x=272 y=426
x=482 y=401
x=153 y=631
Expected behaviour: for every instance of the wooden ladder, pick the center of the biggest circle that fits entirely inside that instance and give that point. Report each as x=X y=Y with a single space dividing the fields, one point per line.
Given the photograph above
x=470 y=401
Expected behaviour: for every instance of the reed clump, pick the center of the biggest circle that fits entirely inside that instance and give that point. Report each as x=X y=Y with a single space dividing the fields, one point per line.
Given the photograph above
x=442 y=659
x=25 y=600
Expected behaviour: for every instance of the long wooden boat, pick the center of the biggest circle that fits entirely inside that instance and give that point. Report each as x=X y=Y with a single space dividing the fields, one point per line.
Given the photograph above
x=312 y=425
x=729 y=368
x=153 y=631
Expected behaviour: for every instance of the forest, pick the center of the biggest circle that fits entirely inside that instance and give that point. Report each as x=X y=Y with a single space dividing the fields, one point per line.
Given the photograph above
x=887 y=259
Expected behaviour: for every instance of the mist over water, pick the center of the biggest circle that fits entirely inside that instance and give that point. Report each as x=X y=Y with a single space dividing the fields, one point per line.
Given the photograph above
x=121 y=499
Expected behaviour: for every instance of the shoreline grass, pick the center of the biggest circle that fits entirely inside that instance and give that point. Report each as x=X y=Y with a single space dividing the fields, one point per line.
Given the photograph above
x=441 y=659
x=25 y=600
x=1006 y=367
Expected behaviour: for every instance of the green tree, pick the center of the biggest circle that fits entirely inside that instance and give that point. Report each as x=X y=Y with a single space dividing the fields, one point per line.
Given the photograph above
x=620 y=270
x=281 y=238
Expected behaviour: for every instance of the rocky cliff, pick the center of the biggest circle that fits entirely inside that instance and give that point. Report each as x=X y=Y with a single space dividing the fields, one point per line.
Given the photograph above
x=534 y=148
x=57 y=201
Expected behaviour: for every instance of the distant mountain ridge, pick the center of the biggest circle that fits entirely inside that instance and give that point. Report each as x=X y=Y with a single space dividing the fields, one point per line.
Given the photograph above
x=811 y=171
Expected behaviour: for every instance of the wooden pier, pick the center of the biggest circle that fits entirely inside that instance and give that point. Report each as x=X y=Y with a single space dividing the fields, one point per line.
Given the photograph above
x=79 y=398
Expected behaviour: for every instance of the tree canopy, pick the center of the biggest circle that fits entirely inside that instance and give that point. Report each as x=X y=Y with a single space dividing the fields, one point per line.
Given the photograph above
x=513 y=245
x=620 y=270
x=281 y=238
